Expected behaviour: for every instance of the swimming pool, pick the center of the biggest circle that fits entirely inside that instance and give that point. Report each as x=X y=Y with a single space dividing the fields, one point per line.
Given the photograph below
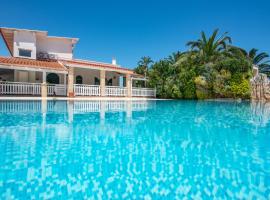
x=134 y=150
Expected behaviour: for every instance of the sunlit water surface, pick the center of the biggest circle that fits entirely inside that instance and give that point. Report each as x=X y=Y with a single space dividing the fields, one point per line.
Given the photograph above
x=134 y=150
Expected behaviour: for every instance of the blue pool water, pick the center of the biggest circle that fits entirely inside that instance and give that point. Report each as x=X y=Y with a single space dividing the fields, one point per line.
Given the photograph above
x=134 y=150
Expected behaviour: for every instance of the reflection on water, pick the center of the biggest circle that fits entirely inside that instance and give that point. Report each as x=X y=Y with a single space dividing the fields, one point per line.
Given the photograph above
x=76 y=106
x=134 y=150
x=261 y=112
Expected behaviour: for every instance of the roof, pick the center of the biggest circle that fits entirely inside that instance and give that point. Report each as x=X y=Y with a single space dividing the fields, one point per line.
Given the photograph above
x=93 y=64
x=8 y=36
x=20 y=29
x=36 y=31
x=59 y=66
x=30 y=63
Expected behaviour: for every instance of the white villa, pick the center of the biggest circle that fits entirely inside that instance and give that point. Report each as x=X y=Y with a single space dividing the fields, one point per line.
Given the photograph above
x=42 y=65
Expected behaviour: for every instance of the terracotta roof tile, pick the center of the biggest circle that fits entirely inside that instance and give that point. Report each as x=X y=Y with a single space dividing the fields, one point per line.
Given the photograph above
x=94 y=64
x=24 y=62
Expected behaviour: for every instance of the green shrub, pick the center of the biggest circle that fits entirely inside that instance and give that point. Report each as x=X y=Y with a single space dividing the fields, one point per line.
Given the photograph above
x=234 y=65
x=221 y=84
x=189 y=90
x=241 y=90
x=203 y=90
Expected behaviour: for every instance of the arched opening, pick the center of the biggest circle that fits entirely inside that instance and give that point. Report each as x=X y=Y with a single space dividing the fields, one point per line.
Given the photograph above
x=109 y=82
x=79 y=79
x=97 y=81
x=53 y=78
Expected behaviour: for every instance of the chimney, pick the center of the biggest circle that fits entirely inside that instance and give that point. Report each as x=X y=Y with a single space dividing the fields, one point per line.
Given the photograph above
x=114 y=61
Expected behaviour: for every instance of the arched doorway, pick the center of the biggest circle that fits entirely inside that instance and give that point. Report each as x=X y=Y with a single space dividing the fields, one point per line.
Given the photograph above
x=109 y=82
x=79 y=79
x=53 y=78
x=97 y=81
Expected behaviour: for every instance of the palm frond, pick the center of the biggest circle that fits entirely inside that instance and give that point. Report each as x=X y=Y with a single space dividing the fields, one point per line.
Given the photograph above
x=252 y=53
x=204 y=39
x=260 y=57
x=264 y=68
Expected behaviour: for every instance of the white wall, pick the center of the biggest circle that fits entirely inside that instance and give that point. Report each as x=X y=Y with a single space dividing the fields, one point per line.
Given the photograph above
x=39 y=42
x=32 y=77
x=24 y=40
x=25 y=76
x=89 y=75
x=61 y=47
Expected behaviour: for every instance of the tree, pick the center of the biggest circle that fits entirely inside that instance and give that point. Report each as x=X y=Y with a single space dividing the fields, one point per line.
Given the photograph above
x=213 y=68
x=143 y=65
x=255 y=58
x=210 y=48
x=173 y=58
x=142 y=68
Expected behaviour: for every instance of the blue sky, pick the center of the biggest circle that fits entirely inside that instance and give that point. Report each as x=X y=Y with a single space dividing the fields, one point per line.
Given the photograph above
x=130 y=29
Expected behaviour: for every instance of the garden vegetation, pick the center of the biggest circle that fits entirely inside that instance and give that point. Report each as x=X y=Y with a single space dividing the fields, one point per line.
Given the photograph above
x=211 y=68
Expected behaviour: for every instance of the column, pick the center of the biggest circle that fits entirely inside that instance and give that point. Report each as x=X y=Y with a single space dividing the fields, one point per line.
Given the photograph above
x=65 y=79
x=65 y=83
x=102 y=82
x=129 y=85
x=70 y=82
x=44 y=85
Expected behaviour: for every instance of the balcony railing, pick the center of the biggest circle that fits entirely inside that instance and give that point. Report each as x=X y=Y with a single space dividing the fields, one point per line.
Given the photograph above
x=143 y=92
x=56 y=90
x=19 y=88
x=115 y=91
x=86 y=90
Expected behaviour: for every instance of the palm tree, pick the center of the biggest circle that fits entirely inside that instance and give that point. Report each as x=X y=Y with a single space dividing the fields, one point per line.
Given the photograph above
x=143 y=65
x=142 y=68
x=173 y=58
x=209 y=48
x=255 y=58
x=259 y=59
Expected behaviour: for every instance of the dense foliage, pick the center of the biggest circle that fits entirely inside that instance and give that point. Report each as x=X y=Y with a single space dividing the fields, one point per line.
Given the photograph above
x=212 y=68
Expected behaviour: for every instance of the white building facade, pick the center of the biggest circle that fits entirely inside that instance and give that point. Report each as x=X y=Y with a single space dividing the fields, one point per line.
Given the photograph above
x=43 y=65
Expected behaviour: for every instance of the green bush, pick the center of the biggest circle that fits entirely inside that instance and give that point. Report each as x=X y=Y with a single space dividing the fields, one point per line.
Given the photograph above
x=241 y=90
x=203 y=90
x=189 y=90
x=221 y=84
x=203 y=94
x=234 y=65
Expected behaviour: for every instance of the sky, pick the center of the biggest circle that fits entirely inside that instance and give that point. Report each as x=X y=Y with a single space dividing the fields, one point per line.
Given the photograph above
x=129 y=29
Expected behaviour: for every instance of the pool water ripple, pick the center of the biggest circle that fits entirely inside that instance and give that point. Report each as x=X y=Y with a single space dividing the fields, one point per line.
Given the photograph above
x=134 y=150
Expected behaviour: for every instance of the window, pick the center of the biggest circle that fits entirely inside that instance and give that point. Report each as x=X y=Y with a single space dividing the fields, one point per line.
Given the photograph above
x=79 y=79
x=24 y=52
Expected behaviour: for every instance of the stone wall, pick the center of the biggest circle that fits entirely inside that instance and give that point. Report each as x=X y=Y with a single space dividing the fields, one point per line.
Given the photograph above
x=260 y=85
